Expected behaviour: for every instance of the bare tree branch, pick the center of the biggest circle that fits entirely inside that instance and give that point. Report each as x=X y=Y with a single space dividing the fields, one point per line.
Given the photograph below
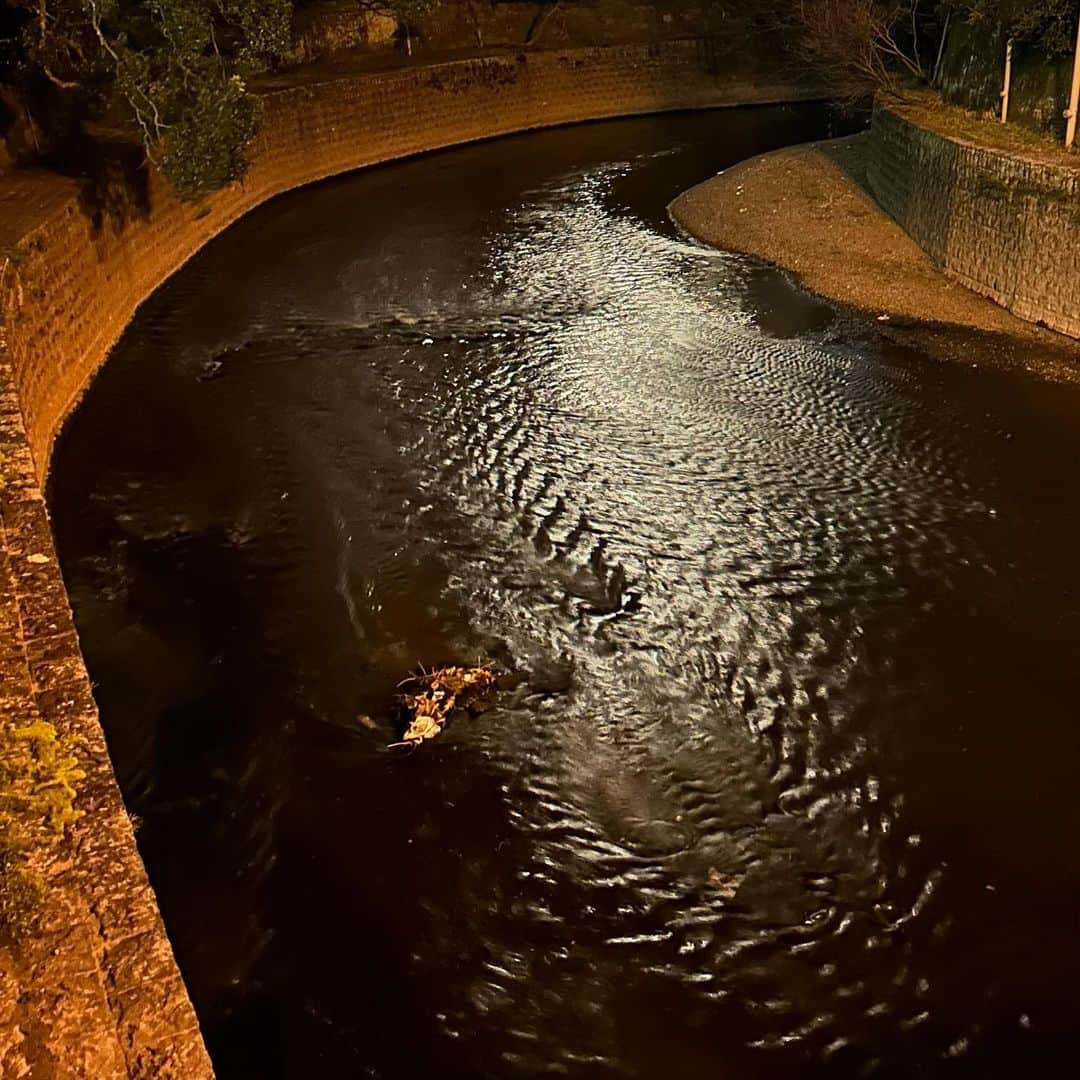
x=856 y=41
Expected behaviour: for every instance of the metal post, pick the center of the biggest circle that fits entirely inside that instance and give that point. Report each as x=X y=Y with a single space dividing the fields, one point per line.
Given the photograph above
x=1074 y=96
x=936 y=78
x=1008 y=82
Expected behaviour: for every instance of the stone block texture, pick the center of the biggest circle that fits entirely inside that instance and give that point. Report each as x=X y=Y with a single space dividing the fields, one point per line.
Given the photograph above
x=1005 y=227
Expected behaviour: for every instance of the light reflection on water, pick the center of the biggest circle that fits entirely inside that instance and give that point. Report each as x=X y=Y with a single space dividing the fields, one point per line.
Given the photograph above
x=785 y=788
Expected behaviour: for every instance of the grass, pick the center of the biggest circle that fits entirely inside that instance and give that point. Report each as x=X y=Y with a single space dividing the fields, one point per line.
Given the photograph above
x=20 y=896
x=927 y=109
x=39 y=777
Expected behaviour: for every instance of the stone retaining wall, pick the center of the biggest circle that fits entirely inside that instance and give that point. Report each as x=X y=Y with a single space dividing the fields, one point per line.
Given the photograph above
x=94 y=992
x=87 y=258
x=1005 y=227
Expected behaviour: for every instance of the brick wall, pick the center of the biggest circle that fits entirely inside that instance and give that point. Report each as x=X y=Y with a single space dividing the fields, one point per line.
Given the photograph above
x=95 y=993
x=1003 y=226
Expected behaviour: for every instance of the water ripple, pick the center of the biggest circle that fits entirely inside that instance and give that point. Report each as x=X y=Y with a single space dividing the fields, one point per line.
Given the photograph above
x=727 y=567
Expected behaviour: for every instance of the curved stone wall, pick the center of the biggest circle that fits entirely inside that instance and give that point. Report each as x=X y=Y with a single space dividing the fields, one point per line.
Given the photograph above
x=94 y=991
x=1004 y=226
x=89 y=258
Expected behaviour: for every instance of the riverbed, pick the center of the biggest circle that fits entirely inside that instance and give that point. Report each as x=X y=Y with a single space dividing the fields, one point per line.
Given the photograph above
x=781 y=780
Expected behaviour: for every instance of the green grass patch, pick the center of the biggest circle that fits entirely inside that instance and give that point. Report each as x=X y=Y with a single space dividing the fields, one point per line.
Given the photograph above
x=39 y=778
x=927 y=109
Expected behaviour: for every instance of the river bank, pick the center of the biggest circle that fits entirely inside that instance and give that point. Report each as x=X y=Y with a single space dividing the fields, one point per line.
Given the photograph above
x=808 y=210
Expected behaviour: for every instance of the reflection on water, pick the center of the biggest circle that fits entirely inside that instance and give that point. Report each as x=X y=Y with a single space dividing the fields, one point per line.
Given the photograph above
x=787 y=785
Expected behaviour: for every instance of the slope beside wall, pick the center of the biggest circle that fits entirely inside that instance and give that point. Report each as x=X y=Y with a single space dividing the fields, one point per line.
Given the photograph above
x=973 y=74
x=94 y=991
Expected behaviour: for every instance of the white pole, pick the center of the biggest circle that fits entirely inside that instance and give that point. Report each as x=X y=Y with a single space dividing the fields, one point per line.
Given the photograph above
x=941 y=49
x=1008 y=82
x=1074 y=96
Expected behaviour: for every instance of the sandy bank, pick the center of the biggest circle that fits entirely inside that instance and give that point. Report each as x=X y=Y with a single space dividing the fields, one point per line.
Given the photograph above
x=807 y=210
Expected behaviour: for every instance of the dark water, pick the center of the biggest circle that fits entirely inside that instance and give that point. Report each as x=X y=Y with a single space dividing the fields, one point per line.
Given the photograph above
x=788 y=787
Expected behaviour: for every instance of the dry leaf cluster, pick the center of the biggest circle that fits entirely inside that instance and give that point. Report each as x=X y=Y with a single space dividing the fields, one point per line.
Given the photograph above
x=434 y=695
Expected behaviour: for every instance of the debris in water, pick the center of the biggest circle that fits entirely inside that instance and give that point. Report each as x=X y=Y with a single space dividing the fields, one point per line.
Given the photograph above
x=436 y=695
x=727 y=885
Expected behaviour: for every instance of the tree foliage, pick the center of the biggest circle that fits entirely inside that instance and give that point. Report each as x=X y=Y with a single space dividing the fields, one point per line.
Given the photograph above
x=180 y=66
x=881 y=43
x=1050 y=24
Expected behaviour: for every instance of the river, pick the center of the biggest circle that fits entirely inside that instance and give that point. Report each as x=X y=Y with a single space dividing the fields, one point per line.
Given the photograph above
x=783 y=781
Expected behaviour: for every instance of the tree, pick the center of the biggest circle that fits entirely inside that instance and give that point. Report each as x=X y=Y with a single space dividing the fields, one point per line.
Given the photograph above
x=180 y=67
x=860 y=44
x=407 y=12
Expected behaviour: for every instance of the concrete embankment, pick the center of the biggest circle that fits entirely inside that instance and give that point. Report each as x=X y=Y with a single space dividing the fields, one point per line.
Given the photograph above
x=93 y=990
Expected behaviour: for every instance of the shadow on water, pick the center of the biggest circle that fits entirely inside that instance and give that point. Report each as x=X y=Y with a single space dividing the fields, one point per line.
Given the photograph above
x=785 y=787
